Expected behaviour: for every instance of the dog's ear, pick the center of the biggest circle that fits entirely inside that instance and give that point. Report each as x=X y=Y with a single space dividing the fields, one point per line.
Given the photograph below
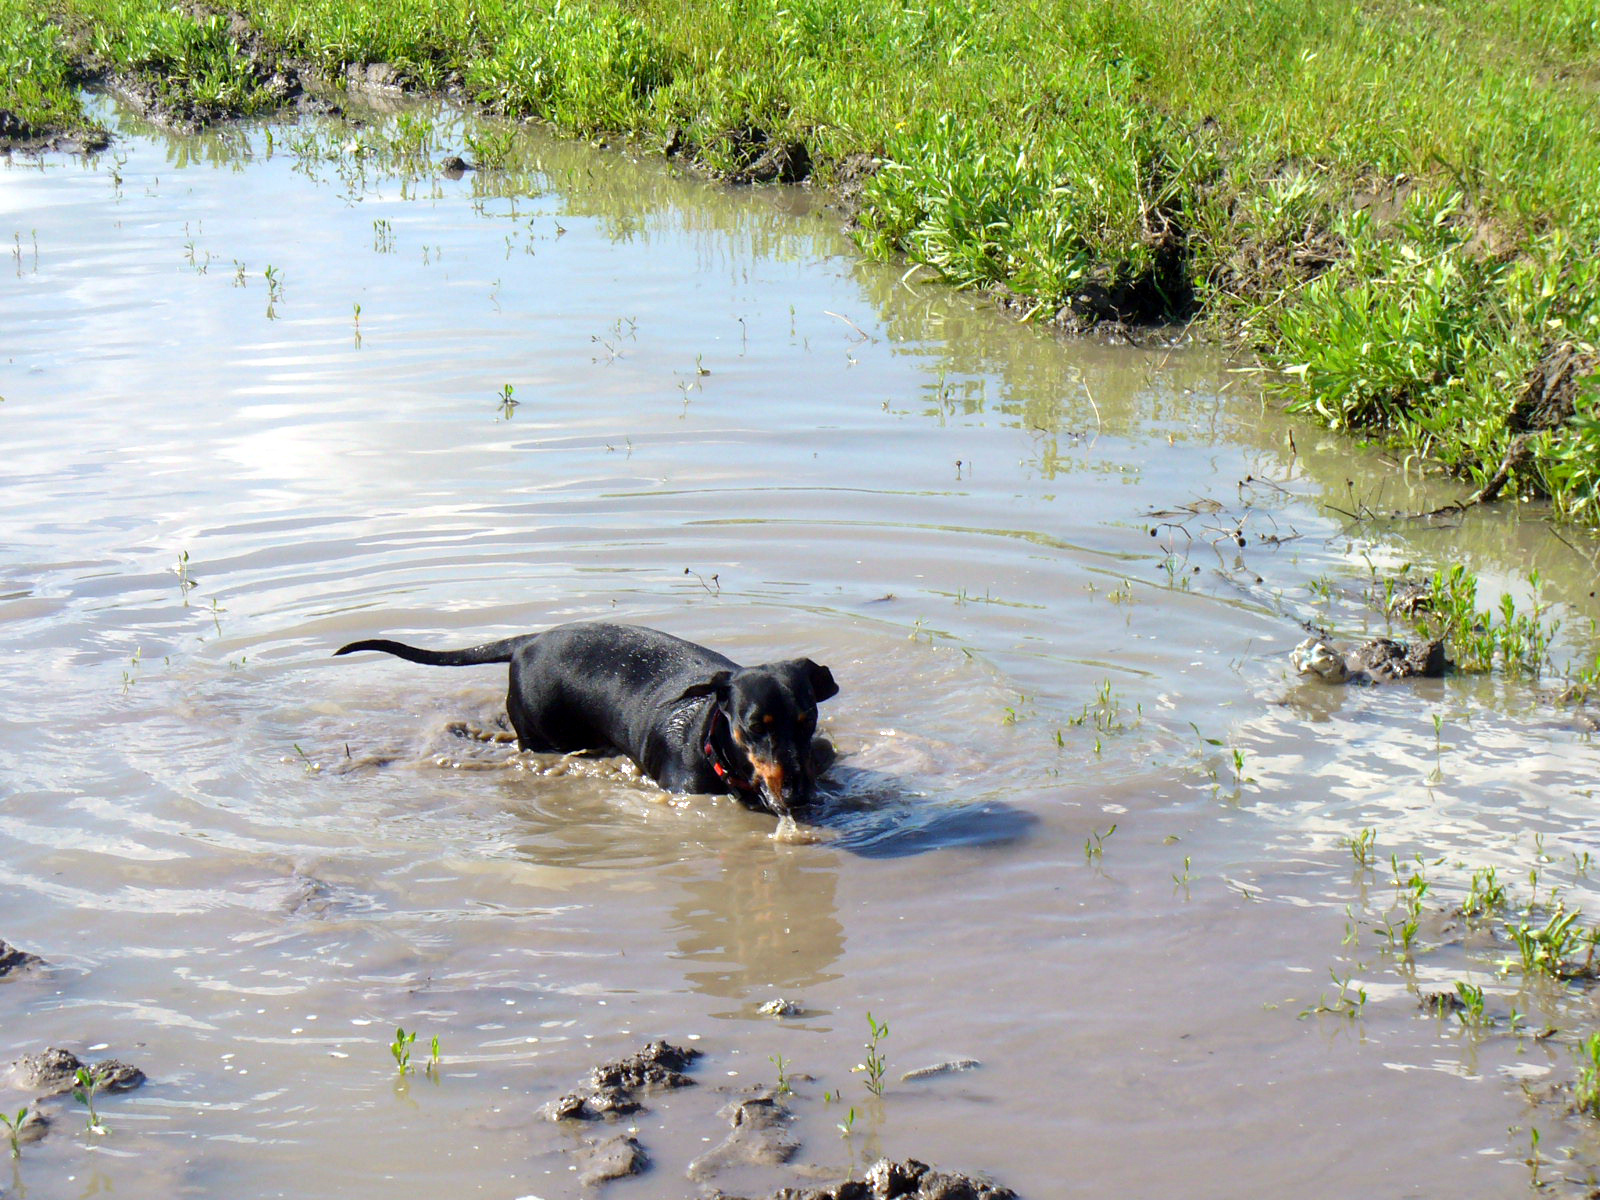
x=716 y=686
x=822 y=685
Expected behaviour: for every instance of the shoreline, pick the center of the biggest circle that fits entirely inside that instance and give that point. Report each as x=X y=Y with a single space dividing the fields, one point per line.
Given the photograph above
x=1389 y=291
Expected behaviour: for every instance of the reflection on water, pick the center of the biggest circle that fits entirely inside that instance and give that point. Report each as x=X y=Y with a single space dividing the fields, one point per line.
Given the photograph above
x=280 y=387
x=763 y=922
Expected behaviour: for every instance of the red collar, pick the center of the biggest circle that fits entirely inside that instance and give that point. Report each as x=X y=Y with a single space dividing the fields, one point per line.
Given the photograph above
x=723 y=771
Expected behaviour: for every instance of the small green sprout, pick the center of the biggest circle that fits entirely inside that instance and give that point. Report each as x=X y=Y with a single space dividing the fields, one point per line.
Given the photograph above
x=1362 y=848
x=87 y=1086
x=14 y=1129
x=1094 y=845
x=401 y=1049
x=876 y=1064
x=1586 y=1091
x=1471 y=996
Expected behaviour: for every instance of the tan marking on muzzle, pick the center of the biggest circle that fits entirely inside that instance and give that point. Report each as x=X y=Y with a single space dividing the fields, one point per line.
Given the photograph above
x=769 y=774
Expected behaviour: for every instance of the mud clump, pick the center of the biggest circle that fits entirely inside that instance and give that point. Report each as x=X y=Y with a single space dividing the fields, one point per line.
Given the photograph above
x=34 y=1126
x=1441 y=1004
x=762 y=158
x=1382 y=660
x=611 y=1158
x=590 y=1104
x=759 y=1136
x=609 y=1091
x=18 y=137
x=849 y=178
x=12 y=960
x=759 y=1120
x=780 y=1007
x=378 y=77
x=1551 y=389
x=906 y=1180
x=48 y=1073
x=54 y=1071
x=1548 y=400
x=658 y=1065
x=13 y=127
x=952 y=1066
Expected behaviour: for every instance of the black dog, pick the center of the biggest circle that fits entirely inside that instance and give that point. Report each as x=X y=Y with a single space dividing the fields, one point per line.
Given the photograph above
x=692 y=719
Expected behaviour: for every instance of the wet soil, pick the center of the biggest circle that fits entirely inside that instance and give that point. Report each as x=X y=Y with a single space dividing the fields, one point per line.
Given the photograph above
x=934 y=1070
x=14 y=961
x=54 y=1071
x=610 y=1090
x=907 y=1179
x=1547 y=400
x=759 y=1136
x=615 y=1157
x=18 y=137
x=759 y=1121
x=1381 y=660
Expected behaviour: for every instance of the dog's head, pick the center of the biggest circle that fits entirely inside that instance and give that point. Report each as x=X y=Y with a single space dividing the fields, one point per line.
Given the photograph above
x=771 y=712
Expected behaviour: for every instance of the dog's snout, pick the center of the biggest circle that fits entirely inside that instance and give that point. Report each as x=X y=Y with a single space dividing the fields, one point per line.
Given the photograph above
x=777 y=786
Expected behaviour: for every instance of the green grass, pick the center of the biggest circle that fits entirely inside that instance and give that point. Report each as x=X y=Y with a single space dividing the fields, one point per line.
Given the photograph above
x=194 y=63
x=1398 y=205
x=36 y=72
x=1586 y=1091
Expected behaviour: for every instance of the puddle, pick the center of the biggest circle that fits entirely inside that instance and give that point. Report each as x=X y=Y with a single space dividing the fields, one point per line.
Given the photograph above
x=259 y=403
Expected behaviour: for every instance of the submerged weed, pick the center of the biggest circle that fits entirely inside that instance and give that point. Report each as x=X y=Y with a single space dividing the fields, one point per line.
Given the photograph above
x=131 y=673
x=1362 y=848
x=14 y=1129
x=1105 y=712
x=400 y=1049
x=782 y=1064
x=492 y=147
x=1349 y=1002
x=1519 y=640
x=508 y=401
x=86 y=1085
x=1471 y=997
x=1586 y=1091
x=1094 y=846
x=1545 y=949
x=875 y=1064
x=1486 y=894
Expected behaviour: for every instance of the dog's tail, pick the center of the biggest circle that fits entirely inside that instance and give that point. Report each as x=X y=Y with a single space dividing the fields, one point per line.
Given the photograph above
x=489 y=652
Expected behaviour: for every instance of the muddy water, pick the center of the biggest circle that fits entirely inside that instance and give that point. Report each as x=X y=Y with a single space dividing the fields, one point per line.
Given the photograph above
x=249 y=862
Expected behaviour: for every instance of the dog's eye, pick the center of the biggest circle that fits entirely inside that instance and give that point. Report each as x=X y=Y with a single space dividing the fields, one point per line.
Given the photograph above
x=768 y=719
x=805 y=718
